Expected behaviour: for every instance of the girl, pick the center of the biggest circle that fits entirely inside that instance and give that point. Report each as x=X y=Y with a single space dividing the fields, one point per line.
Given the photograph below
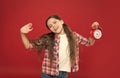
x=61 y=47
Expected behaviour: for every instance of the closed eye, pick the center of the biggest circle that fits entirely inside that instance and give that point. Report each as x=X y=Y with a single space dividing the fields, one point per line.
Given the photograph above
x=54 y=22
x=50 y=26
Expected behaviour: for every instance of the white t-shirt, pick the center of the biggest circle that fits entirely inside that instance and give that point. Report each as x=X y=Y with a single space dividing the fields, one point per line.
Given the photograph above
x=64 y=54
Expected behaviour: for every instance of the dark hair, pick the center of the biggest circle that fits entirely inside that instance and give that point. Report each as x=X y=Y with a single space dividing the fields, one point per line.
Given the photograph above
x=52 y=16
x=70 y=36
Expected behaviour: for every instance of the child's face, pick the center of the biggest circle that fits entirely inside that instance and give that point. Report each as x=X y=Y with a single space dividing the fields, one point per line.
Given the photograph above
x=55 y=25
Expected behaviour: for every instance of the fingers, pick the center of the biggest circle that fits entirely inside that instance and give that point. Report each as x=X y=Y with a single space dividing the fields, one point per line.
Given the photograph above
x=30 y=29
x=95 y=25
x=27 y=28
x=29 y=25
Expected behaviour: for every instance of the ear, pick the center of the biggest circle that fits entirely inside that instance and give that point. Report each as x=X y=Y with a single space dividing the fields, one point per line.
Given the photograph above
x=62 y=21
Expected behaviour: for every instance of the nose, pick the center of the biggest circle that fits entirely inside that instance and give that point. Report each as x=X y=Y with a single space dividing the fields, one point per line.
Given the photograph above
x=55 y=27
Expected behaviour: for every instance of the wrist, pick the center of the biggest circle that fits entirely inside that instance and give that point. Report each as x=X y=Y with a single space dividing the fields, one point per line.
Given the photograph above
x=22 y=33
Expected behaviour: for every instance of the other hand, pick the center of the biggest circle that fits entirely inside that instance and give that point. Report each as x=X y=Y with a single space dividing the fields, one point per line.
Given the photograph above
x=26 y=28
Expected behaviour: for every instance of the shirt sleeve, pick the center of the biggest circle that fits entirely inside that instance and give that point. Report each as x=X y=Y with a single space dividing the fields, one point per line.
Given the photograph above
x=82 y=40
x=37 y=43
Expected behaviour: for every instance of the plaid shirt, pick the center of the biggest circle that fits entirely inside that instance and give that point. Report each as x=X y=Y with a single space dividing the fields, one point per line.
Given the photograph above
x=53 y=69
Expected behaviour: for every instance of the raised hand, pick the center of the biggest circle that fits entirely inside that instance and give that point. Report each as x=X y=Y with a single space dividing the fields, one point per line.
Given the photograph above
x=95 y=25
x=26 y=28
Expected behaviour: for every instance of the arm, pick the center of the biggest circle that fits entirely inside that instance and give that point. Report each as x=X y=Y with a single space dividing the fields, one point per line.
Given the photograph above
x=91 y=40
x=84 y=41
x=23 y=31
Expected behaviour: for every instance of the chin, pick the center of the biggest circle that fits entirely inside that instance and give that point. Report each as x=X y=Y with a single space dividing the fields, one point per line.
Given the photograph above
x=57 y=32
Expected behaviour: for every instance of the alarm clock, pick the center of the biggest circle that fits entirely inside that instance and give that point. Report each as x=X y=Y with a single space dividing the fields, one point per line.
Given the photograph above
x=96 y=33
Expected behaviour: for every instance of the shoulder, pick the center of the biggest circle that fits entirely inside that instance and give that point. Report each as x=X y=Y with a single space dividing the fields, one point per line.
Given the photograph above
x=47 y=36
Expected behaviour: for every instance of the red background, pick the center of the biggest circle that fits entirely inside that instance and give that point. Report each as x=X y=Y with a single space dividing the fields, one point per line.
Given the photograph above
x=98 y=61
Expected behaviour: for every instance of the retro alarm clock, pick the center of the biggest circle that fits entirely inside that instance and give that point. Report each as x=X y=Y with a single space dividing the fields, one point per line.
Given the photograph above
x=96 y=31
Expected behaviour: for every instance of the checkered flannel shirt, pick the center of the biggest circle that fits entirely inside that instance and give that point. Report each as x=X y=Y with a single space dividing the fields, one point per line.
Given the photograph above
x=53 y=69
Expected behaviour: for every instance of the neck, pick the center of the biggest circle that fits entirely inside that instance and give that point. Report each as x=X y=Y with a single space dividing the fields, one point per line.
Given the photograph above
x=62 y=32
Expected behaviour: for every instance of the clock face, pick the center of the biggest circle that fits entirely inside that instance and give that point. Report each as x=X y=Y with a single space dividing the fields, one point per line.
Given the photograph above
x=97 y=34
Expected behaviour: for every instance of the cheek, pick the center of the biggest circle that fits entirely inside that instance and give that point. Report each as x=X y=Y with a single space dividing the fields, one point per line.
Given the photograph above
x=51 y=29
x=61 y=27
